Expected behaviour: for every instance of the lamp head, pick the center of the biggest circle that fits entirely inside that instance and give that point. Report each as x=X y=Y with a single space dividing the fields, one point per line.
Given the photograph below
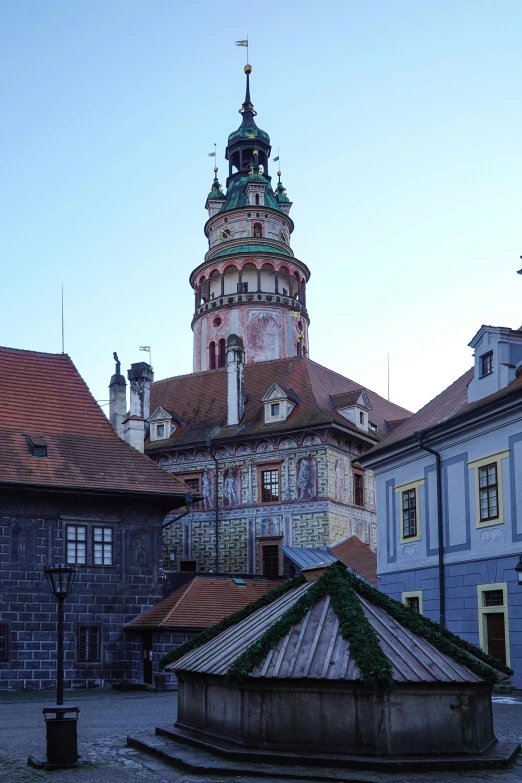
x=61 y=579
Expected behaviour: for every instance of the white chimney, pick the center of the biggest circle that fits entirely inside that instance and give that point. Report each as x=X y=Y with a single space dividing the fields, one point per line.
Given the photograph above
x=140 y=376
x=117 y=399
x=235 y=380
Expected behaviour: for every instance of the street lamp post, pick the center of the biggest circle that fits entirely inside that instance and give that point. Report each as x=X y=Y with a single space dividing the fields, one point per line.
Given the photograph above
x=62 y=742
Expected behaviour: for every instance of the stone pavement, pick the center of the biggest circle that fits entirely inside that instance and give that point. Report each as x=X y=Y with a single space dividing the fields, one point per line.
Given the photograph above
x=107 y=717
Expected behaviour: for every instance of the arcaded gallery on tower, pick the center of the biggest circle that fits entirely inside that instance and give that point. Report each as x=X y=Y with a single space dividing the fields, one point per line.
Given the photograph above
x=268 y=438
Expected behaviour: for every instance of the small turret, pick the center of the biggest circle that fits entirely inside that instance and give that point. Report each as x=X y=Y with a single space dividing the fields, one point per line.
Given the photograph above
x=282 y=199
x=215 y=198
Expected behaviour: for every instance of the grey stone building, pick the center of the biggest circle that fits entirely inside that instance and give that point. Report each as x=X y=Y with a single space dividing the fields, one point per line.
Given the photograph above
x=71 y=490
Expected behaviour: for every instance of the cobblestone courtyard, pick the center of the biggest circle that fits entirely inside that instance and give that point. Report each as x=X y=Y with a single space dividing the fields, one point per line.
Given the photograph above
x=107 y=717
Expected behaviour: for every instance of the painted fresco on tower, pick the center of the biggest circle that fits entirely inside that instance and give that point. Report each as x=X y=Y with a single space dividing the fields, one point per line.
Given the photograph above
x=232 y=487
x=208 y=488
x=263 y=337
x=340 y=480
x=270 y=526
x=306 y=478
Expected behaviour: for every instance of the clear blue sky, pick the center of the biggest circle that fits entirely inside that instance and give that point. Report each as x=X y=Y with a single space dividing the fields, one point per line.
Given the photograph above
x=399 y=125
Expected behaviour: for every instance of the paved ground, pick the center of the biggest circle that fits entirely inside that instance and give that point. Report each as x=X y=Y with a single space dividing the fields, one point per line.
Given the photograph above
x=107 y=717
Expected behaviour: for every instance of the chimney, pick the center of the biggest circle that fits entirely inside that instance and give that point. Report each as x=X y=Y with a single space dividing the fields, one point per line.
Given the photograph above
x=117 y=399
x=140 y=376
x=235 y=380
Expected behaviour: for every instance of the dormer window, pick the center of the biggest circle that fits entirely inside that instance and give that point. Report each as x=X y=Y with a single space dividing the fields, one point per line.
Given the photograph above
x=486 y=364
x=162 y=425
x=279 y=404
x=361 y=418
x=37 y=445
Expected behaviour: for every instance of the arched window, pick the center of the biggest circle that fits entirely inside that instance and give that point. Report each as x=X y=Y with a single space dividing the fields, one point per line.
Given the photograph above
x=258 y=230
x=212 y=356
x=257 y=199
x=299 y=348
x=222 y=349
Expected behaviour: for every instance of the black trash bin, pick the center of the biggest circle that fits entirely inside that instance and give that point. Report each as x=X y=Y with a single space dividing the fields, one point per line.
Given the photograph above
x=62 y=737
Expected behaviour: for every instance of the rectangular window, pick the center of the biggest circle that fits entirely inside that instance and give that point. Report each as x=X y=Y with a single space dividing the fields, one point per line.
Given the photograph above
x=488 y=492
x=242 y=288
x=361 y=417
x=409 y=513
x=270 y=486
x=4 y=642
x=160 y=430
x=76 y=540
x=486 y=364
x=275 y=409
x=270 y=555
x=358 y=489
x=413 y=600
x=493 y=598
x=194 y=484
x=89 y=643
x=102 y=546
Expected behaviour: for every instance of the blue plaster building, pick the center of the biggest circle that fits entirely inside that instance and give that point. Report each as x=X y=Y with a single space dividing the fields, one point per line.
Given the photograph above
x=449 y=502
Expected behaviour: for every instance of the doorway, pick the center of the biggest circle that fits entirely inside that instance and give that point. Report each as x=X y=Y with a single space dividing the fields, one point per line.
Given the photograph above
x=496 y=636
x=147 y=658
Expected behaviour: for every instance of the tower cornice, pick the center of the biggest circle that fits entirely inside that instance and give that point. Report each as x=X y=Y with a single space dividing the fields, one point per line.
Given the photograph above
x=229 y=214
x=248 y=257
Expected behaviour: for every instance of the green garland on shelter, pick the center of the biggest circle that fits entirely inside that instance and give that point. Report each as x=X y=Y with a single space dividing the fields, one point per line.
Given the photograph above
x=375 y=669
x=210 y=633
x=446 y=642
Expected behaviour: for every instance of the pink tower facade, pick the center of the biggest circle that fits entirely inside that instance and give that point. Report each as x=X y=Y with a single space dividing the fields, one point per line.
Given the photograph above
x=250 y=282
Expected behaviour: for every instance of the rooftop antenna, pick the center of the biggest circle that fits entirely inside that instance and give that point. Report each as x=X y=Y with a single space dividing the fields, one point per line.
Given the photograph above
x=388 y=376
x=63 y=330
x=520 y=270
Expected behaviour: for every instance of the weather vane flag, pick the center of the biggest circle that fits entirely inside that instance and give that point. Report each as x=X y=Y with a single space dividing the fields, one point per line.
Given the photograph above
x=243 y=43
x=146 y=348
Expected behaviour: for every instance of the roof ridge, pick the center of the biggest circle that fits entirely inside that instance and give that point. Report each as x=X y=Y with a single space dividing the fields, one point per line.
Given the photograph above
x=356 y=383
x=34 y=353
x=178 y=602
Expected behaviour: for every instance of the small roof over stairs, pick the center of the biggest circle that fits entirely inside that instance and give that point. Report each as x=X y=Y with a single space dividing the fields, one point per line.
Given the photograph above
x=337 y=628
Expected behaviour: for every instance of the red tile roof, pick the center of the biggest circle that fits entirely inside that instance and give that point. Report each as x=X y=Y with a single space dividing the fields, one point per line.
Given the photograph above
x=43 y=395
x=200 y=401
x=450 y=403
x=201 y=603
x=357 y=555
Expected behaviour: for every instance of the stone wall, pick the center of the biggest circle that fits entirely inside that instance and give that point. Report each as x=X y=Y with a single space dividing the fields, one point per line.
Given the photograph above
x=31 y=536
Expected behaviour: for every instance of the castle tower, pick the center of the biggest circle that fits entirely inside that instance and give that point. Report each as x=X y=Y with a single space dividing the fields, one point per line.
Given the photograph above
x=249 y=284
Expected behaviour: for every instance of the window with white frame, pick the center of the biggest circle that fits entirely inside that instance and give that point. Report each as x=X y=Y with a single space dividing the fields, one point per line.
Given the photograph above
x=102 y=546
x=409 y=511
x=413 y=600
x=488 y=489
x=76 y=544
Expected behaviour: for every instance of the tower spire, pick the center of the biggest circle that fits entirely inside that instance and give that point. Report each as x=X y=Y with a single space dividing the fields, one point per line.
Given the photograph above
x=247 y=105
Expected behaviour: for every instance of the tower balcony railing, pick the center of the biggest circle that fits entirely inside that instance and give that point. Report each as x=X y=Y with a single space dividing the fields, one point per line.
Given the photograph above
x=249 y=298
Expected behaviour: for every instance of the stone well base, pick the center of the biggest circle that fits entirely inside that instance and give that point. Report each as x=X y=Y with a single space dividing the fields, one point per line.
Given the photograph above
x=321 y=716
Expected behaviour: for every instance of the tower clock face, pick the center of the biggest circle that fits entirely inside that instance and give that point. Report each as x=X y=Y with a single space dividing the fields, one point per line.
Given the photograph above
x=284 y=236
x=227 y=232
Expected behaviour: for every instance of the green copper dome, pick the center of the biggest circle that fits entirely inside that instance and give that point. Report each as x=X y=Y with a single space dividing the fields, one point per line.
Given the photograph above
x=216 y=194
